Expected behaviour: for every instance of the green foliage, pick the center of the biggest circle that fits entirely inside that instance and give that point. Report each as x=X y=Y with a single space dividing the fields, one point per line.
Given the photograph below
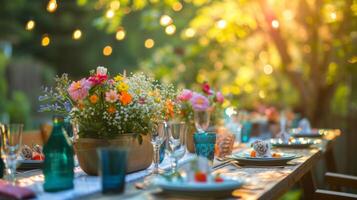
x=19 y=108
x=3 y=83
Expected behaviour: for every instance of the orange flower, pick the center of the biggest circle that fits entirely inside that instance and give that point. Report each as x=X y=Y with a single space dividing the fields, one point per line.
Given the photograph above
x=93 y=99
x=169 y=109
x=111 y=109
x=125 y=98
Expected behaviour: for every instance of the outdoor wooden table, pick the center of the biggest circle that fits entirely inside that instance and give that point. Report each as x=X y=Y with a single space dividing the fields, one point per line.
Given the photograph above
x=268 y=182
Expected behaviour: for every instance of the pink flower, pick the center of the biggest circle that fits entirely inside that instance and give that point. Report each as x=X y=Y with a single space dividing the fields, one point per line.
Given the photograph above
x=219 y=97
x=111 y=96
x=98 y=79
x=78 y=90
x=206 y=88
x=199 y=102
x=185 y=95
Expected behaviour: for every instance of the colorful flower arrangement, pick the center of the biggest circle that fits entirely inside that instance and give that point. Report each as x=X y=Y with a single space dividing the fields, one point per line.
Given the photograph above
x=105 y=106
x=191 y=101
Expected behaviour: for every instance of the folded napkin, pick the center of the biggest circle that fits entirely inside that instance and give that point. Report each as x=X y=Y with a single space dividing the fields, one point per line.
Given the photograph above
x=9 y=191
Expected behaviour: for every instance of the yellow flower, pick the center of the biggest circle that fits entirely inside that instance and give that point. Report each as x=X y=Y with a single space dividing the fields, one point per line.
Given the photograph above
x=157 y=100
x=122 y=87
x=118 y=78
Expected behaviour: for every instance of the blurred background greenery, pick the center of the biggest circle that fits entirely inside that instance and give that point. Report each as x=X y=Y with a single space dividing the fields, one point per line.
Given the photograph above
x=288 y=54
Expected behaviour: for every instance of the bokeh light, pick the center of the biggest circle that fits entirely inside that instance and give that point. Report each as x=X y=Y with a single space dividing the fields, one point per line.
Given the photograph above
x=275 y=24
x=77 y=34
x=149 y=43
x=45 y=40
x=165 y=20
x=120 y=34
x=30 y=25
x=114 y=5
x=170 y=30
x=52 y=6
x=107 y=50
x=177 y=6
x=268 y=69
x=221 y=24
x=190 y=32
x=109 y=14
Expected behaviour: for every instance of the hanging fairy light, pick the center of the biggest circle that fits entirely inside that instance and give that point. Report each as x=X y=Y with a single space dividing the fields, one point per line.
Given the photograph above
x=77 y=34
x=120 y=34
x=165 y=20
x=30 y=25
x=275 y=24
x=107 y=50
x=170 y=30
x=52 y=6
x=149 y=43
x=45 y=41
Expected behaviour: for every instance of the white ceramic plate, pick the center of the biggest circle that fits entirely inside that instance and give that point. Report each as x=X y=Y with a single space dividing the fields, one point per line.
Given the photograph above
x=211 y=189
x=245 y=159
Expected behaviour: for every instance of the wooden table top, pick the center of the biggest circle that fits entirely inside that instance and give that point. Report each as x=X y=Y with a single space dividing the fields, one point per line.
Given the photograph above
x=261 y=182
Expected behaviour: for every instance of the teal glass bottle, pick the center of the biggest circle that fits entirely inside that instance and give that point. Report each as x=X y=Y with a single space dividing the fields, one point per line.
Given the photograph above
x=59 y=161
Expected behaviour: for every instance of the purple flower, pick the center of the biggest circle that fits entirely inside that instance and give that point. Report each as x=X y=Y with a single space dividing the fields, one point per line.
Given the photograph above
x=185 y=95
x=199 y=102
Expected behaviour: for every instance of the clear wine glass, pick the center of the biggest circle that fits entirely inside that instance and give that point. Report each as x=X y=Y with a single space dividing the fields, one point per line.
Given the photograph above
x=283 y=133
x=158 y=136
x=11 y=139
x=177 y=142
x=202 y=119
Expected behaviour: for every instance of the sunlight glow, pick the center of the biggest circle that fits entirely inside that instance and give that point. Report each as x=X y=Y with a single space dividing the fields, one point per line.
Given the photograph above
x=268 y=69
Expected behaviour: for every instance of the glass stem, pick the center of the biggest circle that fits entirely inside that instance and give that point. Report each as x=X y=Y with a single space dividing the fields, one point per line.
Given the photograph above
x=156 y=158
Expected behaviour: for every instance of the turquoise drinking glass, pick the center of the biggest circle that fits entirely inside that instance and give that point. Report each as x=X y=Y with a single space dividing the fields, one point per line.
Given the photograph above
x=112 y=169
x=205 y=144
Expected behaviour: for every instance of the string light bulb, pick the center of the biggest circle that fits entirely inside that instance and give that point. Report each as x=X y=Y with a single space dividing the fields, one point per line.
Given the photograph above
x=77 y=34
x=45 y=40
x=52 y=6
x=107 y=50
x=149 y=43
x=30 y=25
x=165 y=20
x=170 y=30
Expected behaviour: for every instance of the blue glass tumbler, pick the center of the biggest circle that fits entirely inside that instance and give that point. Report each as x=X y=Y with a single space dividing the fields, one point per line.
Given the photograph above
x=205 y=144
x=112 y=169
